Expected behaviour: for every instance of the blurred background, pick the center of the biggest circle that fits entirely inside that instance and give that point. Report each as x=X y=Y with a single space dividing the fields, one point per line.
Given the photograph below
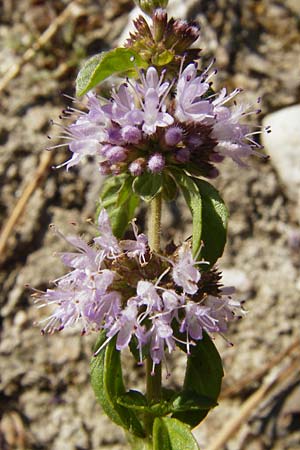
x=46 y=401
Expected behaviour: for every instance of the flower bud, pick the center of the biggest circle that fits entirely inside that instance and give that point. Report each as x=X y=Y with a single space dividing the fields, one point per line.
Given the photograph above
x=137 y=166
x=148 y=6
x=183 y=155
x=213 y=173
x=116 y=154
x=131 y=134
x=156 y=163
x=216 y=157
x=173 y=135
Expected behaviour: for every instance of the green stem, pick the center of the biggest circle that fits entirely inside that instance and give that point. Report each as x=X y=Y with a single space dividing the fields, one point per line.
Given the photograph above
x=155 y=223
x=153 y=381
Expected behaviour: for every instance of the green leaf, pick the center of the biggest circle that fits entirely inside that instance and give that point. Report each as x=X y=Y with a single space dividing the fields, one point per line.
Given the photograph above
x=171 y=434
x=133 y=400
x=102 y=66
x=133 y=346
x=163 y=58
x=192 y=197
x=190 y=400
x=204 y=373
x=136 y=401
x=170 y=188
x=107 y=382
x=148 y=185
x=214 y=222
x=119 y=201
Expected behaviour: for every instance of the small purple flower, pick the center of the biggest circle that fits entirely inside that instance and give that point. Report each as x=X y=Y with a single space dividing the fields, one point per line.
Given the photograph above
x=161 y=337
x=84 y=257
x=125 y=325
x=114 y=136
x=147 y=295
x=106 y=309
x=198 y=319
x=85 y=141
x=234 y=139
x=189 y=102
x=224 y=309
x=152 y=81
x=77 y=298
x=95 y=113
x=154 y=115
x=184 y=272
x=123 y=110
x=107 y=241
x=138 y=248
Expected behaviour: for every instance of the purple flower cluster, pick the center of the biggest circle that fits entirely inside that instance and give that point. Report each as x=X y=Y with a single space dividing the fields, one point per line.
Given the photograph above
x=128 y=291
x=151 y=124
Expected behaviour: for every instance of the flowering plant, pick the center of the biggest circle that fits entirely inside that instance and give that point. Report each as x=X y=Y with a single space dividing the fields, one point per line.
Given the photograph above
x=162 y=131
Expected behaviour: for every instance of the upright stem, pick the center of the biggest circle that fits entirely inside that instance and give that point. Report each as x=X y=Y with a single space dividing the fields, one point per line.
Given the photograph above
x=154 y=223
x=153 y=381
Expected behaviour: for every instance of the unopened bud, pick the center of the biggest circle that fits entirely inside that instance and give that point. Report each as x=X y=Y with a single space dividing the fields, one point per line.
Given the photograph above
x=137 y=167
x=156 y=163
x=148 y=6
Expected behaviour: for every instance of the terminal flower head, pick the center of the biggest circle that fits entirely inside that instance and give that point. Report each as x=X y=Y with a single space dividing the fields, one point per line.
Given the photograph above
x=153 y=124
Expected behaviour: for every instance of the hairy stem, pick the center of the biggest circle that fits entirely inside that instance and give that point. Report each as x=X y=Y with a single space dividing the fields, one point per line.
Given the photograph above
x=153 y=380
x=155 y=223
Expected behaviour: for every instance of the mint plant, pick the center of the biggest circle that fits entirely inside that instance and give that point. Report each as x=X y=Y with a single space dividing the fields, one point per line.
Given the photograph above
x=162 y=132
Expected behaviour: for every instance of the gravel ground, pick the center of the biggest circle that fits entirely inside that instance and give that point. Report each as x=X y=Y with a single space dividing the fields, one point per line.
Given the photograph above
x=46 y=400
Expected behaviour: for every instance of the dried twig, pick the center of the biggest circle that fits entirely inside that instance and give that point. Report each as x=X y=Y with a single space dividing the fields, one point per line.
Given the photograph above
x=21 y=204
x=258 y=375
x=71 y=10
x=250 y=404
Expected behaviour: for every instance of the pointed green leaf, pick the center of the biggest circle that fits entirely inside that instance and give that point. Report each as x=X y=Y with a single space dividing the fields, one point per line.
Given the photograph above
x=204 y=373
x=214 y=221
x=163 y=58
x=170 y=188
x=190 y=400
x=107 y=382
x=147 y=185
x=136 y=401
x=171 y=434
x=133 y=400
x=119 y=201
x=102 y=66
x=193 y=199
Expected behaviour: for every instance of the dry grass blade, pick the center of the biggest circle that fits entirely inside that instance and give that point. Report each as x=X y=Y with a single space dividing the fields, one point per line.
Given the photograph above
x=21 y=204
x=71 y=10
x=248 y=407
x=258 y=375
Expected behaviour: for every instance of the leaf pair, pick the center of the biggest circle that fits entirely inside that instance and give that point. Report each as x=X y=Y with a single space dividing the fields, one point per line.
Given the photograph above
x=107 y=382
x=187 y=408
x=148 y=185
